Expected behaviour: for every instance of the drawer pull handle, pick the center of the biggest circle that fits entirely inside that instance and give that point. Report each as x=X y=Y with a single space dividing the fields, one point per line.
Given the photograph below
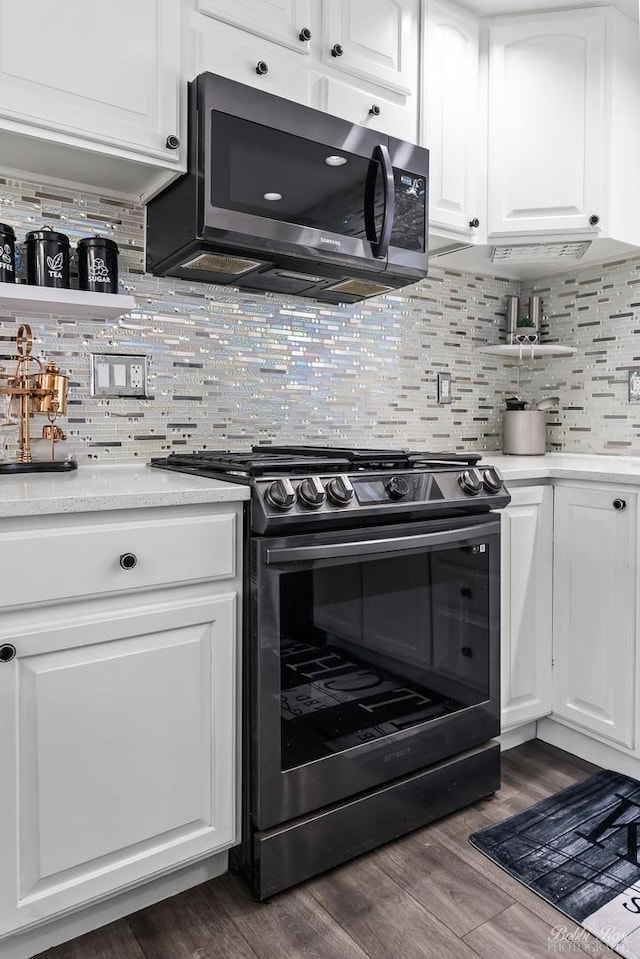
x=7 y=653
x=128 y=560
x=619 y=504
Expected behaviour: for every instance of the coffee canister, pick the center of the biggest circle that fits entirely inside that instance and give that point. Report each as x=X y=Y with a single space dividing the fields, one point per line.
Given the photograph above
x=7 y=254
x=98 y=265
x=48 y=258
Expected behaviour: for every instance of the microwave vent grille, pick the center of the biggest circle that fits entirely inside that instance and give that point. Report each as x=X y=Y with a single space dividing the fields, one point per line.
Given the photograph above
x=570 y=250
x=359 y=288
x=215 y=263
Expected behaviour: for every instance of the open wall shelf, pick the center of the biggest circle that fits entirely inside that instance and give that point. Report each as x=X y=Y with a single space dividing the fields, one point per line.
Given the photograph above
x=20 y=298
x=525 y=352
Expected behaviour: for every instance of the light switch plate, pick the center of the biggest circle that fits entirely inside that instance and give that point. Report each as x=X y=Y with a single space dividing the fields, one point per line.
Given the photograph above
x=634 y=386
x=444 y=388
x=119 y=374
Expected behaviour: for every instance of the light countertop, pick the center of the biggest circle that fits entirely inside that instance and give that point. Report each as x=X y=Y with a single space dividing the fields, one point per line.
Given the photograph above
x=92 y=488
x=592 y=467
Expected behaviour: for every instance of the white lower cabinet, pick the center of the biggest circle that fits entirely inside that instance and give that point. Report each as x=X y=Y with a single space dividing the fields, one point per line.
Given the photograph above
x=595 y=609
x=526 y=628
x=119 y=716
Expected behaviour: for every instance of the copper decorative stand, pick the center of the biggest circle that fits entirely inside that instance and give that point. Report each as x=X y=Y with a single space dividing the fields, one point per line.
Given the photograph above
x=41 y=391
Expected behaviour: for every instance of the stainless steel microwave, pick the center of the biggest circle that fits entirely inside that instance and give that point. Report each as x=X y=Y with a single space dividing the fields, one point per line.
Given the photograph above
x=284 y=198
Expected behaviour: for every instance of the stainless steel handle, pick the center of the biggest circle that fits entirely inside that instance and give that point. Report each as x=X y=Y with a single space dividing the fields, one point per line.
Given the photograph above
x=381 y=153
x=7 y=653
x=128 y=561
x=300 y=554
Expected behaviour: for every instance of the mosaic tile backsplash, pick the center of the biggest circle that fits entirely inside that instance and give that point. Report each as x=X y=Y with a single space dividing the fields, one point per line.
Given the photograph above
x=229 y=369
x=596 y=311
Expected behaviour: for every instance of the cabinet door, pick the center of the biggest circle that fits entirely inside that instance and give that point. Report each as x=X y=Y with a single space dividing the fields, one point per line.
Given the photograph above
x=547 y=132
x=379 y=40
x=279 y=20
x=451 y=127
x=370 y=110
x=594 y=610
x=235 y=54
x=117 y=750
x=526 y=583
x=117 y=83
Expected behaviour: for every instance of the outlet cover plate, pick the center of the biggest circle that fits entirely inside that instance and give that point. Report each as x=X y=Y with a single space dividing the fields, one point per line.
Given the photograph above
x=444 y=388
x=634 y=386
x=119 y=374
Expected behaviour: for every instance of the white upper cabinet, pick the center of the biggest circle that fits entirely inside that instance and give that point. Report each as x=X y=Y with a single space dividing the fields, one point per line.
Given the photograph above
x=374 y=40
x=452 y=128
x=370 y=78
x=241 y=56
x=283 y=21
x=564 y=123
x=105 y=79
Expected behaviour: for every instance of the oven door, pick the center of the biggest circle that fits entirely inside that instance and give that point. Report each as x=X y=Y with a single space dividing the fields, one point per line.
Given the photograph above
x=372 y=653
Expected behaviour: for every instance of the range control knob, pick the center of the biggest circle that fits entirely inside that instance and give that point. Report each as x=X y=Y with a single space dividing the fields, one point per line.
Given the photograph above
x=491 y=480
x=397 y=487
x=281 y=494
x=471 y=482
x=340 y=491
x=312 y=493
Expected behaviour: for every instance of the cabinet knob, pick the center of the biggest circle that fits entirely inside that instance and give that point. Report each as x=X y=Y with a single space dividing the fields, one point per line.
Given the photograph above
x=261 y=68
x=374 y=110
x=619 y=504
x=7 y=653
x=305 y=35
x=128 y=560
x=172 y=142
x=475 y=223
x=337 y=50
x=594 y=219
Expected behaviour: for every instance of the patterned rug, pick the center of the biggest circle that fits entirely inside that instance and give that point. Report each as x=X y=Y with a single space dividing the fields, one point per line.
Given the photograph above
x=579 y=851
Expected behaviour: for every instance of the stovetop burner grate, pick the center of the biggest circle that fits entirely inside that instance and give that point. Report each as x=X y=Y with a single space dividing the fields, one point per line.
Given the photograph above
x=280 y=460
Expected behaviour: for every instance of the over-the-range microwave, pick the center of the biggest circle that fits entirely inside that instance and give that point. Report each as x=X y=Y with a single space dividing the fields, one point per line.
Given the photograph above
x=284 y=198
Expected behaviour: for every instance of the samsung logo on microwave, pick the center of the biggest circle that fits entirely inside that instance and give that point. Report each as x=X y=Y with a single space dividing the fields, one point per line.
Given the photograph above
x=325 y=239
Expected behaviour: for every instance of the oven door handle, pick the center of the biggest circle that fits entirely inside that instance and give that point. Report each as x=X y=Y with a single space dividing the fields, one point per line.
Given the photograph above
x=301 y=554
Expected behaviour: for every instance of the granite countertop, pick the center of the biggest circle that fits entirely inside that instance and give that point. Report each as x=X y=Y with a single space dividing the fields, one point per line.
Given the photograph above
x=92 y=488
x=605 y=469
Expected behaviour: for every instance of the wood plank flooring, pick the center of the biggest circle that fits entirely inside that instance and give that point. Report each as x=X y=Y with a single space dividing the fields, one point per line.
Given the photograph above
x=430 y=895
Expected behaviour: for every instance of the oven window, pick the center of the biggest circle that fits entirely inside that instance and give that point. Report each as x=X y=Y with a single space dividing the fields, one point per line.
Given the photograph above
x=368 y=649
x=269 y=173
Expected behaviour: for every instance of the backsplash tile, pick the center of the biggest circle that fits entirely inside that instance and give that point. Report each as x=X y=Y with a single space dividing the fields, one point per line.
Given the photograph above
x=232 y=368
x=595 y=310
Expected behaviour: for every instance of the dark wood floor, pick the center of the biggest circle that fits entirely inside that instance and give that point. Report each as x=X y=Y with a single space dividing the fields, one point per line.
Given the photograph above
x=430 y=895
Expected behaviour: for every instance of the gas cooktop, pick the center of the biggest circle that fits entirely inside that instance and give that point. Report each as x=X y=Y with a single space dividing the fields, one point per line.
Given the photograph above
x=295 y=487
x=277 y=460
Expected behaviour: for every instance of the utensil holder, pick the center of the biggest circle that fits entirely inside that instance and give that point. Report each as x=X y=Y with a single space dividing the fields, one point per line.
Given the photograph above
x=524 y=432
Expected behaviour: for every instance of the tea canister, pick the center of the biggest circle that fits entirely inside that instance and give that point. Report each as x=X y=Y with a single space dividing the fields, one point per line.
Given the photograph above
x=47 y=258
x=98 y=265
x=7 y=254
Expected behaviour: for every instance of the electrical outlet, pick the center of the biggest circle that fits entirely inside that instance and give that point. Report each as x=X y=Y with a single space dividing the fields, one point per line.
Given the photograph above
x=634 y=386
x=119 y=374
x=137 y=376
x=444 y=388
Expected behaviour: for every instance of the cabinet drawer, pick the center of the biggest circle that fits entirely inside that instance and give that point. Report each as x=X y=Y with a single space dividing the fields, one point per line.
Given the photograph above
x=74 y=557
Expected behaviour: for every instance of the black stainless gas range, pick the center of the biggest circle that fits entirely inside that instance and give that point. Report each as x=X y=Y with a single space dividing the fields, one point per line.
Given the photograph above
x=371 y=648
